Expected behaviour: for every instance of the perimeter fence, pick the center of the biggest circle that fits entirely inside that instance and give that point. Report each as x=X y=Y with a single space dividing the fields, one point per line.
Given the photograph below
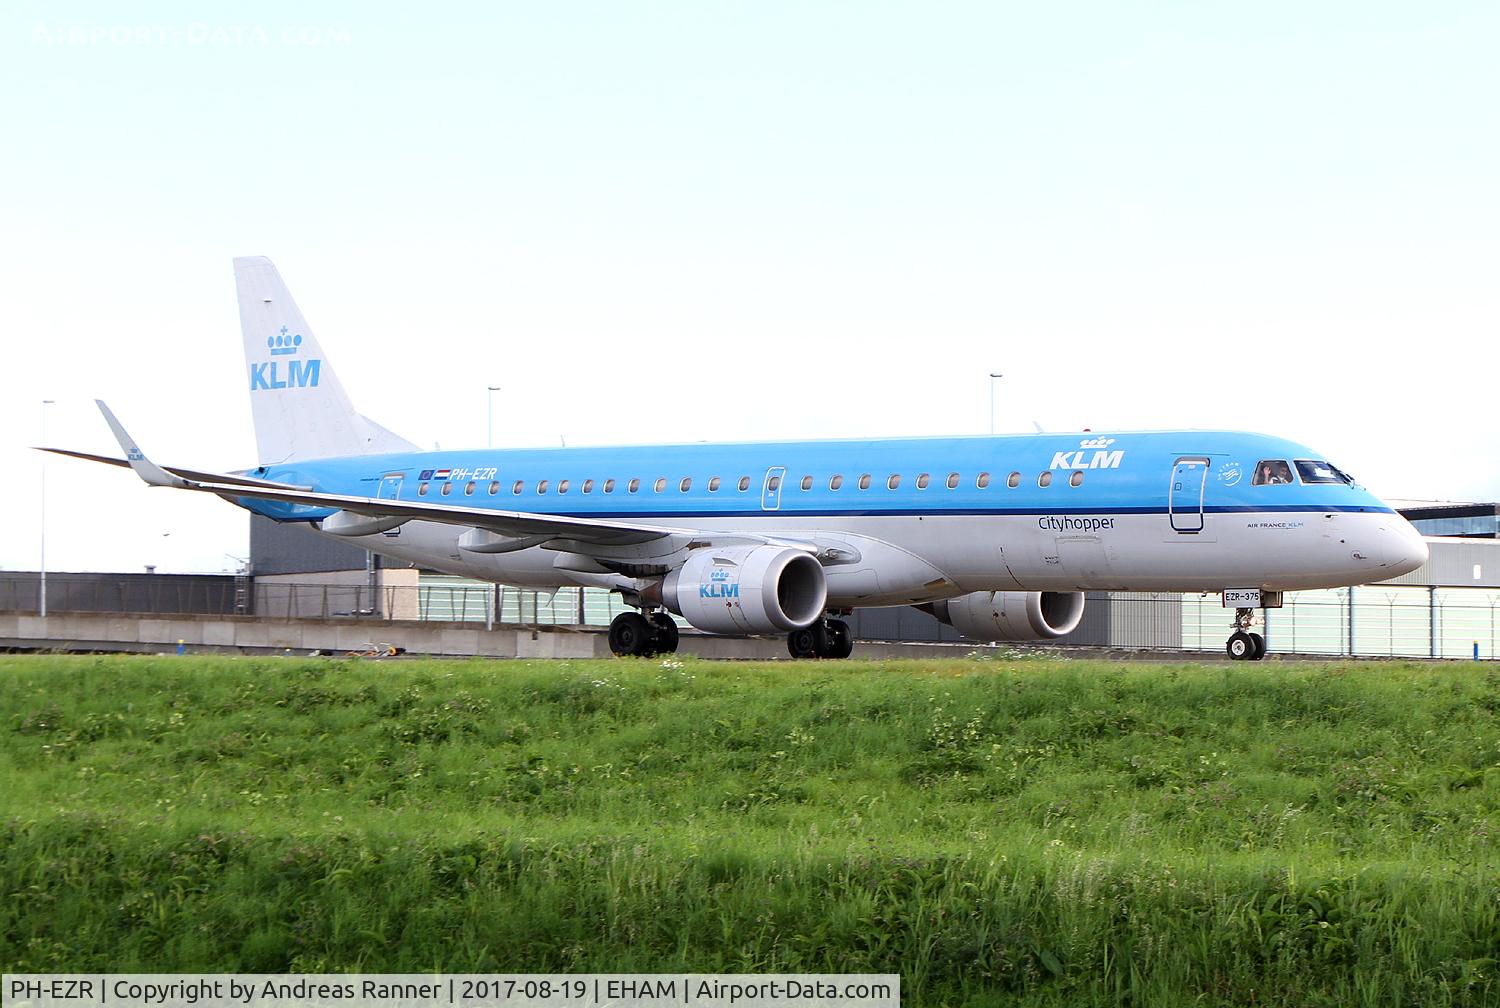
x=1369 y=621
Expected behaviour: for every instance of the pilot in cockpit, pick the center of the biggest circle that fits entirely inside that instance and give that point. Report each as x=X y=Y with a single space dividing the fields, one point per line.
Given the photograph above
x=1271 y=472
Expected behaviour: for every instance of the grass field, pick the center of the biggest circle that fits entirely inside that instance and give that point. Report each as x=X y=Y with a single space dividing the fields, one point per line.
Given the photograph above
x=997 y=831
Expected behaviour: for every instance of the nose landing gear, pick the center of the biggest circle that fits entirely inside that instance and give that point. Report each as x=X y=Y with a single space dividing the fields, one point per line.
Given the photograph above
x=1244 y=644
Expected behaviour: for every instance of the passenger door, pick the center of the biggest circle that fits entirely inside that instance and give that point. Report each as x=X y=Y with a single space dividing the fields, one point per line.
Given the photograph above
x=1185 y=498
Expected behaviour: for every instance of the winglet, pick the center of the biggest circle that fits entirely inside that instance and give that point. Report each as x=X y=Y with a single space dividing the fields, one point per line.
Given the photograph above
x=144 y=467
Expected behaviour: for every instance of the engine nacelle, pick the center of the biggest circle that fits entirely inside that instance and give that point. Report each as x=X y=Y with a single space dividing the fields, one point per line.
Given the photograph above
x=1012 y=616
x=747 y=589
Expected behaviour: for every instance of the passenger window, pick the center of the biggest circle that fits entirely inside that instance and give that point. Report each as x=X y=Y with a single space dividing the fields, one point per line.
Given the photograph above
x=744 y=483
x=864 y=481
x=469 y=488
x=562 y=487
x=1076 y=479
x=1013 y=480
x=982 y=480
x=588 y=486
x=807 y=482
x=1045 y=479
x=635 y=485
x=660 y=484
x=421 y=489
x=773 y=484
x=494 y=487
x=953 y=481
x=835 y=482
x=447 y=489
x=609 y=486
x=520 y=485
x=1270 y=472
x=685 y=485
x=893 y=482
x=541 y=487
x=922 y=480
x=713 y=485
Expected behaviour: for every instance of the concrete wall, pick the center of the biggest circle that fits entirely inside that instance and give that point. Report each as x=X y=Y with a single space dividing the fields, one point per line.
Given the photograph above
x=237 y=635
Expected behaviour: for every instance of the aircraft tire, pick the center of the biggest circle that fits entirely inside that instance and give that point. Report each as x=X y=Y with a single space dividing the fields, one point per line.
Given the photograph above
x=630 y=634
x=1259 y=643
x=840 y=640
x=664 y=630
x=808 y=642
x=1240 y=647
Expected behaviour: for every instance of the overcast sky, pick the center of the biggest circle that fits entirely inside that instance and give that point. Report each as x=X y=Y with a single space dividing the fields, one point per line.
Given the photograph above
x=703 y=221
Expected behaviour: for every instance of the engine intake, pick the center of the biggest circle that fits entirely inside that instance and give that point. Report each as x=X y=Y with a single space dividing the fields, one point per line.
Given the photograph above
x=747 y=589
x=1012 y=616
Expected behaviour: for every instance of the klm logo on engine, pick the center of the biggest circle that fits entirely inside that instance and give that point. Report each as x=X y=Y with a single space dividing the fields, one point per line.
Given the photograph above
x=719 y=586
x=298 y=373
x=1091 y=454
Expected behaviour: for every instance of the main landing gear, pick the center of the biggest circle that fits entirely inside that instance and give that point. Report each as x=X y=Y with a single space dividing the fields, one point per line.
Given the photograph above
x=1244 y=644
x=827 y=638
x=643 y=636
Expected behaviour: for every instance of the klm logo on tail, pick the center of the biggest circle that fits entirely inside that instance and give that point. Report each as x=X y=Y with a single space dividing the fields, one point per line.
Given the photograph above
x=298 y=374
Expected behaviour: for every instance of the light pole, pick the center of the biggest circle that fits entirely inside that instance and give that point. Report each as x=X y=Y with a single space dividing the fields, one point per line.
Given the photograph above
x=42 y=589
x=993 y=376
x=492 y=390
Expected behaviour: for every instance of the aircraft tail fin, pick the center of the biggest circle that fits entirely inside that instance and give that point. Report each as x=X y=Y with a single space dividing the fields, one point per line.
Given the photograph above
x=299 y=405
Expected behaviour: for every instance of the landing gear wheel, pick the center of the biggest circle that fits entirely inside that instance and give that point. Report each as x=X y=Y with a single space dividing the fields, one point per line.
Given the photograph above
x=664 y=629
x=1244 y=644
x=840 y=640
x=808 y=642
x=631 y=634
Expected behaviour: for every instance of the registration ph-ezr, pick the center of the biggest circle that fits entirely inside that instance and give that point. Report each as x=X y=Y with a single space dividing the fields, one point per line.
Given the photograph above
x=58 y=989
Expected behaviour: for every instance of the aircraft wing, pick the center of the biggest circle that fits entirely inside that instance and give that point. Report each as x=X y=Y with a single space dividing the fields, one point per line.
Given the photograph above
x=186 y=474
x=509 y=529
x=513 y=525
x=517 y=524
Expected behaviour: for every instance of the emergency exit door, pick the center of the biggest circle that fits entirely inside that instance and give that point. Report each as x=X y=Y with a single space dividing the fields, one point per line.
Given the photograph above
x=390 y=489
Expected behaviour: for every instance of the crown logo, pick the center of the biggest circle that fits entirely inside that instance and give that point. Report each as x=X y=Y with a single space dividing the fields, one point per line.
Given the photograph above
x=719 y=574
x=284 y=343
x=1103 y=442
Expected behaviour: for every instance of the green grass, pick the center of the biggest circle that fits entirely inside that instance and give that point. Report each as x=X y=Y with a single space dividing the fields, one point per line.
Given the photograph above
x=1008 y=831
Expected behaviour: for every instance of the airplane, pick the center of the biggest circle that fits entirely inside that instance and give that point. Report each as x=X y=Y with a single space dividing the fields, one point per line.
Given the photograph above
x=997 y=536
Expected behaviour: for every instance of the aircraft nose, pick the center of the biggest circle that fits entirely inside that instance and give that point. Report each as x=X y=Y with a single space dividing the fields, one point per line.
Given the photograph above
x=1403 y=547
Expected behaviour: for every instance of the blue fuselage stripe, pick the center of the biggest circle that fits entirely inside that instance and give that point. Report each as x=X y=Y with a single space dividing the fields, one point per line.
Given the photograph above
x=935 y=512
x=1154 y=473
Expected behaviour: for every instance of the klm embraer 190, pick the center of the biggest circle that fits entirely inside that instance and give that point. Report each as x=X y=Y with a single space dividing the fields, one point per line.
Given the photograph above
x=997 y=536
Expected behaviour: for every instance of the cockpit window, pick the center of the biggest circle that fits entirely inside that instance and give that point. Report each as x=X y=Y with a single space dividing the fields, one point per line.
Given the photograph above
x=1322 y=472
x=1271 y=471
